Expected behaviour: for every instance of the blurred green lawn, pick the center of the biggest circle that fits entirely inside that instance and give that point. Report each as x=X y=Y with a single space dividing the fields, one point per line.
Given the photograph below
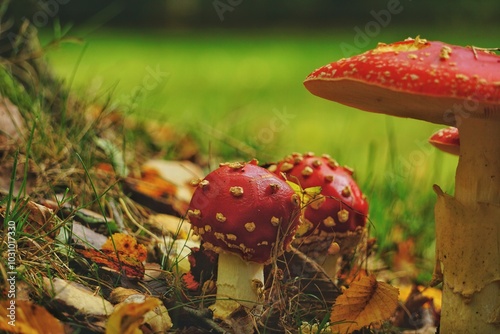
x=231 y=86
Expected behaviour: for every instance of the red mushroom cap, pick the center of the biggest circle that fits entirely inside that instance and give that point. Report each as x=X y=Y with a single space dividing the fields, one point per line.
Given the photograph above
x=414 y=78
x=340 y=207
x=446 y=140
x=244 y=209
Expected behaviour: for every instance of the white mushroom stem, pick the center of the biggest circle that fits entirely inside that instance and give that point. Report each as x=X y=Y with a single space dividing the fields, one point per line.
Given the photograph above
x=468 y=233
x=478 y=172
x=239 y=283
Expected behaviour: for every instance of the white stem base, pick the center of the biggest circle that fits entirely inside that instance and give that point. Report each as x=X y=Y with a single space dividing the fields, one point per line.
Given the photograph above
x=468 y=250
x=238 y=284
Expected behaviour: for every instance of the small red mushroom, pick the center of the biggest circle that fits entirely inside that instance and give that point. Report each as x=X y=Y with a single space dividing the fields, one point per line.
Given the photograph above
x=333 y=218
x=446 y=140
x=248 y=216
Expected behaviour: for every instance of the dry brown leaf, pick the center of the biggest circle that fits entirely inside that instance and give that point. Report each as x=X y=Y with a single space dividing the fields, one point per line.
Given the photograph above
x=28 y=318
x=366 y=302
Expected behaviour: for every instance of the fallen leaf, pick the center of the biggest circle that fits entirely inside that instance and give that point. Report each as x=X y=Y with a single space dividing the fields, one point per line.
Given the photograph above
x=119 y=294
x=179 y=173
x=73 y=296
x=164 y=186
x=27 y=318
x=157 y=195
x=41 y=220
x=85 y=236
x=125 y=244
x=170 y=225
x=127 y=317
x=154 y=185
x=127 y=265
x=120 y=252
x=366 y=302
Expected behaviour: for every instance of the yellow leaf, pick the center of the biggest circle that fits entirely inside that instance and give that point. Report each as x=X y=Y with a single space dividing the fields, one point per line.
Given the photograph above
x=27 y=318
x=127 y=318
x=366 y=302
x=306 y=195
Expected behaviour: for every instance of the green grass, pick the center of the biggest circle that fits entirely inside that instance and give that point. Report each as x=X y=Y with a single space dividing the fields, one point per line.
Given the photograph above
x=226 y=87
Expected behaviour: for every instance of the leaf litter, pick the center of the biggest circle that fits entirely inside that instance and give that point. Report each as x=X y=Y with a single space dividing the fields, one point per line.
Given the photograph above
x=100 y=214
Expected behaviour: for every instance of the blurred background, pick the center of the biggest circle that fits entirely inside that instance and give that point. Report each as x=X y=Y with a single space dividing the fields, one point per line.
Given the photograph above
x=229 y=73
x=259 y=13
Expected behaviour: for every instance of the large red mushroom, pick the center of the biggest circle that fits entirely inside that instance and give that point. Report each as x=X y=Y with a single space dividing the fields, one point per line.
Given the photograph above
x=334 y=218
x=248 y=216
x=457 y=86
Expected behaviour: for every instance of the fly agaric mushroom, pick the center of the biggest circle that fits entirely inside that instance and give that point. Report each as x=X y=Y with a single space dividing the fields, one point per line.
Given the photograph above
x=333 y=220
x=446 y=140
x=450 y=85
x=247 y=215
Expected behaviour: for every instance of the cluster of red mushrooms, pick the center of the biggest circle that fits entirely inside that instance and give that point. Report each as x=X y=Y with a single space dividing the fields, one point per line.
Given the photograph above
x=250 y=215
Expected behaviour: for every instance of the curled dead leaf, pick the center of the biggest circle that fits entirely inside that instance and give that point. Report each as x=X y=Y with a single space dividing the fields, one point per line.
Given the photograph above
x=137 y=309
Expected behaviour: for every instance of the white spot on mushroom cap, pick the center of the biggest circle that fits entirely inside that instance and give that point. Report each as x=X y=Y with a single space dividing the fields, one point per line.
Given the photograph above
x=236 y=191
x=273 y=168
x=346 y=192
x=286 y=166
x=329 y=221
x=203 y=183
x=275 y=221
x=307 y=171
x=343 y=215
x=334 y=248
x=220 y=217
x=250 y=227
x=194 y=213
